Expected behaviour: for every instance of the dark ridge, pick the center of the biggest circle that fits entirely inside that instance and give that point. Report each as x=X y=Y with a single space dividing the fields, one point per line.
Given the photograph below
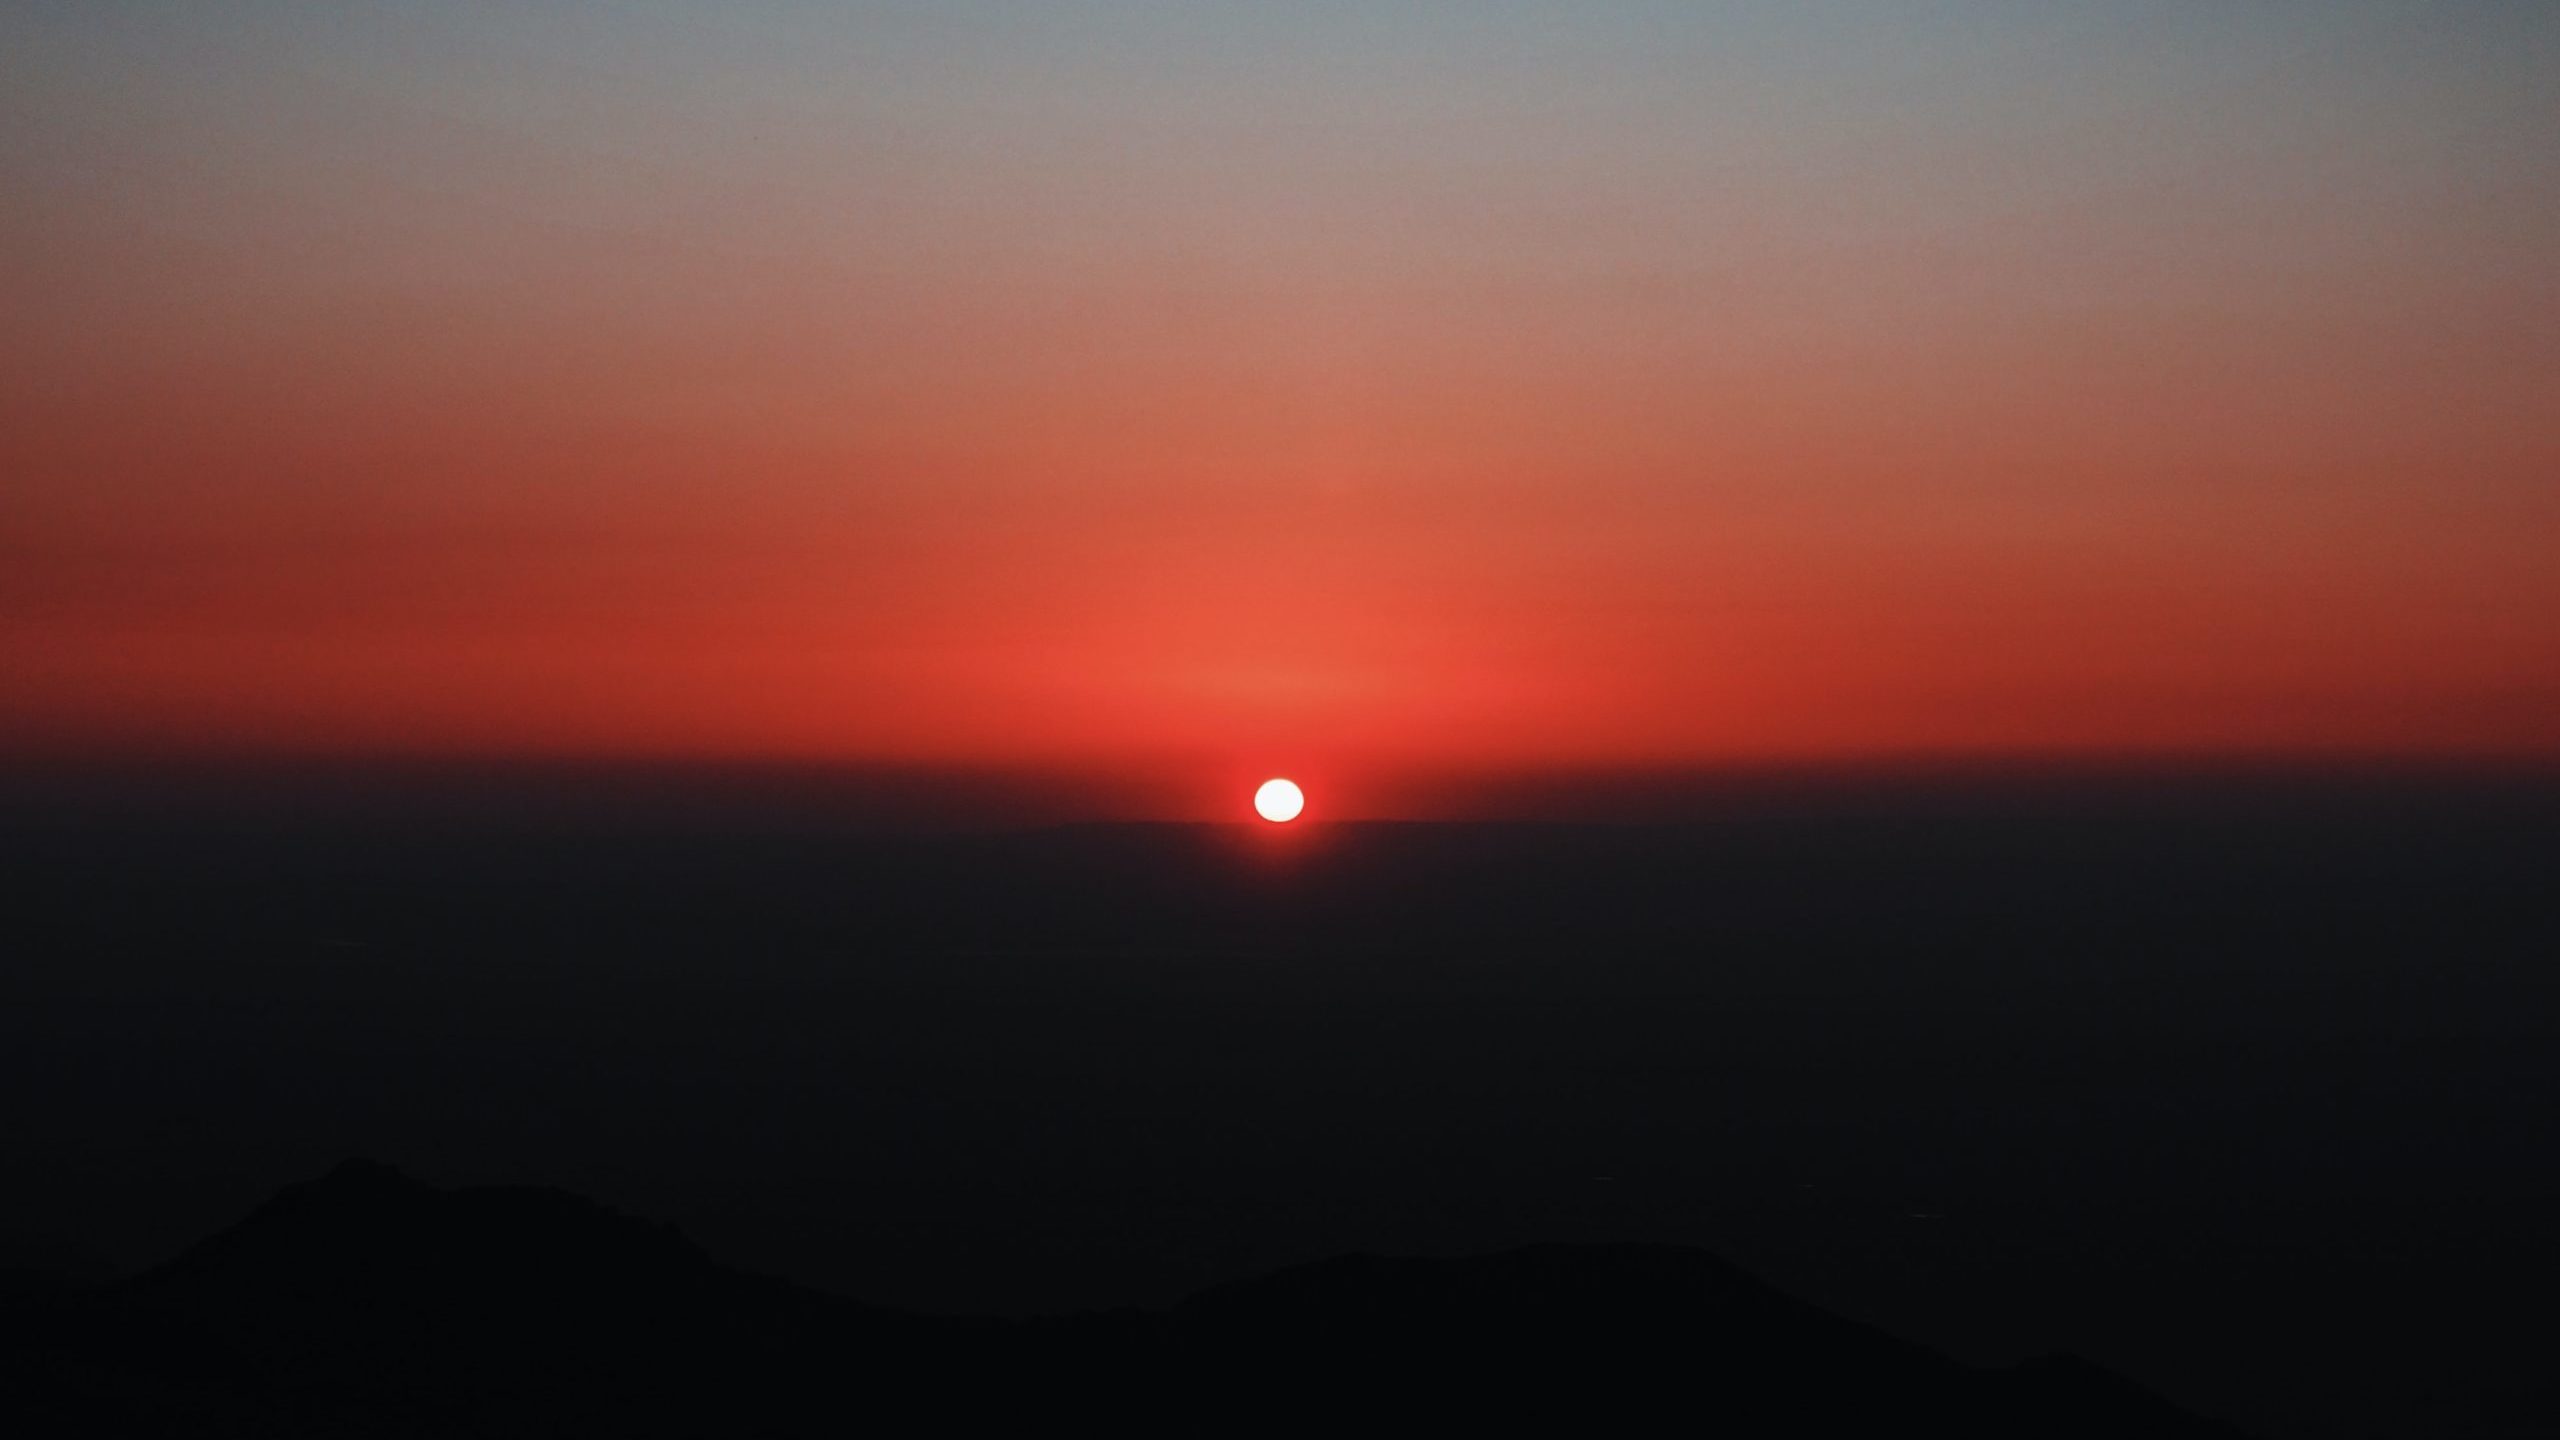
x=50 y=1262
x=367 y=1234
x=367 y=1301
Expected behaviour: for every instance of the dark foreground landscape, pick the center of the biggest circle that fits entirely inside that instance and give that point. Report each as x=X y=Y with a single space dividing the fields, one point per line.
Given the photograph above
x=2241 y=1088
x=367 y=1302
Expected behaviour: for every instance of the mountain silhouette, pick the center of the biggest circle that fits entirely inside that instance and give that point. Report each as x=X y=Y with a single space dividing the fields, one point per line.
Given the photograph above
x=370 y=1302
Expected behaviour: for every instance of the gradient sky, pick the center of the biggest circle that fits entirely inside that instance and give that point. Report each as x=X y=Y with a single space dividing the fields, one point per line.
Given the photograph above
x=1322 y=387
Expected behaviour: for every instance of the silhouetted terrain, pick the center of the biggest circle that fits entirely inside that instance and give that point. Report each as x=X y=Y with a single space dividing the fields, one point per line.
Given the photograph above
x=2244 y=1088
x=369 y=1302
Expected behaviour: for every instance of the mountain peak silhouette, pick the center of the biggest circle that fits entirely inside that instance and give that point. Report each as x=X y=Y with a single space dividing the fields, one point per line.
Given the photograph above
x=367 y=1235
x=359 y=1173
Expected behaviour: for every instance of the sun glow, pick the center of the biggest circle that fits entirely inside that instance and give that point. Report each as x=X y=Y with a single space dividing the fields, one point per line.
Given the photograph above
x=1279 y=801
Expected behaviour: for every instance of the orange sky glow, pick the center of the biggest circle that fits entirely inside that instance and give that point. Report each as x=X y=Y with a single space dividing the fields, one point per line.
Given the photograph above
x=1321 y=405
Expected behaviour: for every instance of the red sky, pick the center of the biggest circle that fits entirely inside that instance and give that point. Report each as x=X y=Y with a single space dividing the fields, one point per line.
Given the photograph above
x=1227 y=395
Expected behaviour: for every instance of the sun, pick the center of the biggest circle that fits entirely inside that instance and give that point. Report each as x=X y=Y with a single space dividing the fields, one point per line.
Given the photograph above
x=1279 y=801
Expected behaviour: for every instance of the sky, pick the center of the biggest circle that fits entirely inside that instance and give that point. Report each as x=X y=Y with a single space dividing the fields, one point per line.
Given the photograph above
x=1223 y=389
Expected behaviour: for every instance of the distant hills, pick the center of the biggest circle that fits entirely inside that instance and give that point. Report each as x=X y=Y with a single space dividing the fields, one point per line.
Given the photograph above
x=369 y=1302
